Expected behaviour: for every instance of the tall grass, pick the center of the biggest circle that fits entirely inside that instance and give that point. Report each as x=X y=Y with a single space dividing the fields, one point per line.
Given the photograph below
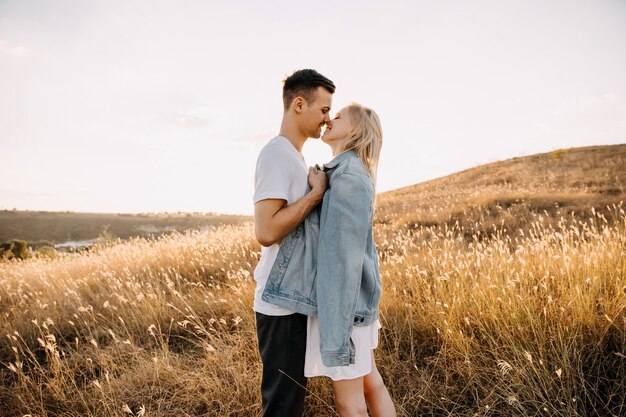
x=532 y=324
x=157 y=325
x=511 y=324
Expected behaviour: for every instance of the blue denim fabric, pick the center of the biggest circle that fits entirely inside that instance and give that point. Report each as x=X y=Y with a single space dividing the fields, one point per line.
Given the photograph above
x=328 y=265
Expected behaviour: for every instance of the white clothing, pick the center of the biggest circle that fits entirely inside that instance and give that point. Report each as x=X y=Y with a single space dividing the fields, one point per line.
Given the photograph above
x=365 y=339
x=282 y=173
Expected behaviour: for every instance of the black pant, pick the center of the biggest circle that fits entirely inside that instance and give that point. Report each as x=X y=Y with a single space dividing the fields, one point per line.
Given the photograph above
x=282 y=345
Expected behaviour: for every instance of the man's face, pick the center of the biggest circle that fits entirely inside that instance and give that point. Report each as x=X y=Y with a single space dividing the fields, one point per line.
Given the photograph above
x=316 y=114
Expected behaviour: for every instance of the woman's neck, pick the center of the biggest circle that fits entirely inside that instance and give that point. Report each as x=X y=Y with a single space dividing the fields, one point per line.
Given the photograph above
x=337 y=148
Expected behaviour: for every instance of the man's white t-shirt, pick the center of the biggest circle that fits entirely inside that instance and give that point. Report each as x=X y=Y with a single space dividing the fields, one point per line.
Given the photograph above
x=281 y=172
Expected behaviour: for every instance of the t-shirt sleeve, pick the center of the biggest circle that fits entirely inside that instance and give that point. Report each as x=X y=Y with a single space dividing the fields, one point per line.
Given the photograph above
x=272 y=178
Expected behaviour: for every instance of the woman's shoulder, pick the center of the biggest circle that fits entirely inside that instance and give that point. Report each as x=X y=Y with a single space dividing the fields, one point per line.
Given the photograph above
x=352 y=165
x=351 y=173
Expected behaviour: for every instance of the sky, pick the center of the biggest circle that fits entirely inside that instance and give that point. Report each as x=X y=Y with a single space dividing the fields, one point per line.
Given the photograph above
x=162 y=106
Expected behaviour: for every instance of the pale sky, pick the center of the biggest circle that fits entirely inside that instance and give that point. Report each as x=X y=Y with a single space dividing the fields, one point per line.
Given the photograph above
x=151 y=106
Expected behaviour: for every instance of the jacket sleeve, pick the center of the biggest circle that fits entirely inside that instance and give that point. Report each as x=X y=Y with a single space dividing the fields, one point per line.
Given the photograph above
x=341 y=251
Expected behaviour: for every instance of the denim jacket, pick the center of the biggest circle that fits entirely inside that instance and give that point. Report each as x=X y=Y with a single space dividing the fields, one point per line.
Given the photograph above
x=328 y=265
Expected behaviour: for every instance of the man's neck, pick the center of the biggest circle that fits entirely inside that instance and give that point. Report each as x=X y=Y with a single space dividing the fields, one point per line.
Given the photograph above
x=293 y=135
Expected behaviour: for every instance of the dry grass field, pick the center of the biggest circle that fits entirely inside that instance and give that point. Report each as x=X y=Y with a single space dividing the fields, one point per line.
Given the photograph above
x=504 y=295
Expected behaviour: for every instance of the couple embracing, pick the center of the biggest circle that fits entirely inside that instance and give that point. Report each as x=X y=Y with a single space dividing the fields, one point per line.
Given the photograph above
x=318 y=281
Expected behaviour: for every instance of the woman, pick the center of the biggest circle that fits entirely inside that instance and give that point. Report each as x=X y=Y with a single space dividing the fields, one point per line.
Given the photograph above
x=327 y=268
x=347 y=258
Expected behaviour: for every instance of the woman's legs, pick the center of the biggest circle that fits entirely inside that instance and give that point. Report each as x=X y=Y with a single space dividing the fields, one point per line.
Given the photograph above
x=376 y=394
x=349 y=397
x=354 y=396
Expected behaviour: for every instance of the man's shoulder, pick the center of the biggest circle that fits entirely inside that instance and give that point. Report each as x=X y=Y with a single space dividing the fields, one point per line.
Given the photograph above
x=279 y=150
x=274 y=145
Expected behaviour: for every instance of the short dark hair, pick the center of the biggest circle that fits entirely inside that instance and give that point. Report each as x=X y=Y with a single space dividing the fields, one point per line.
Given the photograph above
x=303 y=83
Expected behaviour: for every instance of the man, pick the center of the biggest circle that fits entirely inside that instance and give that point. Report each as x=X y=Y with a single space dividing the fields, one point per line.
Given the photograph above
x=280 y=204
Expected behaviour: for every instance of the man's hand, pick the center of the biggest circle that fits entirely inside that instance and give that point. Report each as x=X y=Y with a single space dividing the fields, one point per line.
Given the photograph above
x=317 y=180
x=273 y=218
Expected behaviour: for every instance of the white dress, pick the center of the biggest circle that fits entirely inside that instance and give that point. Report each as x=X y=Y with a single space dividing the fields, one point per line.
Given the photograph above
x=365 y=339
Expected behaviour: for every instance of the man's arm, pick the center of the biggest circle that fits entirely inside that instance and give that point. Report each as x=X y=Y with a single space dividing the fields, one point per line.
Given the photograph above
x=274 y=219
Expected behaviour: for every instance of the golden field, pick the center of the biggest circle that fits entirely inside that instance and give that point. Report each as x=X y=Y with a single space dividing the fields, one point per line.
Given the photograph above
x=504 y=295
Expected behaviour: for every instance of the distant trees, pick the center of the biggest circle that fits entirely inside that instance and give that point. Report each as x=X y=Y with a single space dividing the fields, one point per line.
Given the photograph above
x=47 y=252
x=21 y=249
x=15 y=249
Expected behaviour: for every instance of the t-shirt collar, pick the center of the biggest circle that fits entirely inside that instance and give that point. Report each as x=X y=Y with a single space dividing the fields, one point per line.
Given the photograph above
x=292 y=147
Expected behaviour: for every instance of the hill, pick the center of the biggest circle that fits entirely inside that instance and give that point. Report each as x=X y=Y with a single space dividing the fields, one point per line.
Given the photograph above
x=508 y=194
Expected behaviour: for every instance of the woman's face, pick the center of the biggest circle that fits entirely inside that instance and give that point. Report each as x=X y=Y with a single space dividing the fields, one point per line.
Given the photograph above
x=338 y=128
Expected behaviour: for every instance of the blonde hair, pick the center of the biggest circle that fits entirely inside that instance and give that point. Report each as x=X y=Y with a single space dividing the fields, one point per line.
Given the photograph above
x=365 y=137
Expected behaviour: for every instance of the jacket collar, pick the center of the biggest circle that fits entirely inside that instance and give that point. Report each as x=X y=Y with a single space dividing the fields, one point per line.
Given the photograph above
x=339 y=158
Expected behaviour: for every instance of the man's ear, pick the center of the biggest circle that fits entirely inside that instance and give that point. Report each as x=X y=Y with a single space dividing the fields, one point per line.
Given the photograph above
x=298 y=103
